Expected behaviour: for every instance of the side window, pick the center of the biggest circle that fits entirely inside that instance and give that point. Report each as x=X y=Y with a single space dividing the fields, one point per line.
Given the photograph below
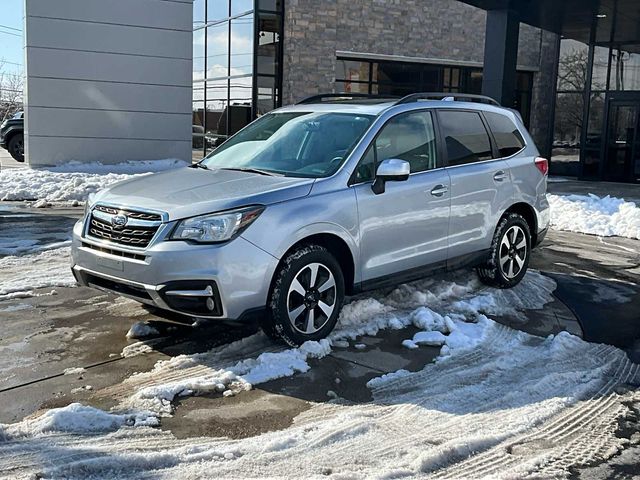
x=507 y=135
x=410 y=137
x=466 y=138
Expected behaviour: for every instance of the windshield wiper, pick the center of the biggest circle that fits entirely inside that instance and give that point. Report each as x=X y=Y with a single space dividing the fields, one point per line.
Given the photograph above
x=254 y=170
x=199 y=165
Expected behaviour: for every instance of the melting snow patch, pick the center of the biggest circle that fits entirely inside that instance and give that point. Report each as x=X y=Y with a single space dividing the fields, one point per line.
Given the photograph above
x=141 y=330
x=74 y=371
x=22 y=274
x=435 y=339
x=78 y=419
x=73 y=181
x=379 y=381
x=135 y=349
x=606 y=217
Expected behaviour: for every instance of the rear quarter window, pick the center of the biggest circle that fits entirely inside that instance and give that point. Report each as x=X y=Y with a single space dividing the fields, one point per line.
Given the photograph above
x=465 y=136
x=507 y=136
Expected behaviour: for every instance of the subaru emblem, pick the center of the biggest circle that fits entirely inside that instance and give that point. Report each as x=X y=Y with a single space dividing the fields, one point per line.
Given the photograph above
x=119 y=220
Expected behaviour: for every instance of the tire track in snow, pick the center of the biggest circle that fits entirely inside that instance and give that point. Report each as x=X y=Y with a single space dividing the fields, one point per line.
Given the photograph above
x=564 y=425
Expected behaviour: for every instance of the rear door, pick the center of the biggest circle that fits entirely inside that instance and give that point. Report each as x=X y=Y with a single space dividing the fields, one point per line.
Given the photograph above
x=481 y=186
x=406 y=227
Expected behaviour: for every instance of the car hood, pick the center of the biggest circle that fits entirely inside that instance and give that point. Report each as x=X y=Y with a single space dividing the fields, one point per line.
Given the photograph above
x=186 y=192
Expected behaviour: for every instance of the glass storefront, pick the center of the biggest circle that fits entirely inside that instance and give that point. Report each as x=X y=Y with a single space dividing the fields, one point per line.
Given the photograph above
x=597 y=117
x=403 y=78
x=236 y=66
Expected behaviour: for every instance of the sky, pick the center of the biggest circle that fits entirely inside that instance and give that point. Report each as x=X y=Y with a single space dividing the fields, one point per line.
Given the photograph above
x=11 y=43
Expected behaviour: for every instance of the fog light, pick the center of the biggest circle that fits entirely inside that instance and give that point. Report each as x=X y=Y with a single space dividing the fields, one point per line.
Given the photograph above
x=210 y=304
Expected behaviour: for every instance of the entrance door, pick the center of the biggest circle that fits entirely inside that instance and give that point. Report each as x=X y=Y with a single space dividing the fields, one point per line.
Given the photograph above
x=622 y=156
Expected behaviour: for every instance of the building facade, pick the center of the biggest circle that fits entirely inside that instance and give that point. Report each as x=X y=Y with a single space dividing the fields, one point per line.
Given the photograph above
x=149 y=79
x=265 y=54
x=107 y=81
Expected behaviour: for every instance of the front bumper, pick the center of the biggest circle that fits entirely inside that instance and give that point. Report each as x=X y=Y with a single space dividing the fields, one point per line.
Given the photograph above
x=178 y=276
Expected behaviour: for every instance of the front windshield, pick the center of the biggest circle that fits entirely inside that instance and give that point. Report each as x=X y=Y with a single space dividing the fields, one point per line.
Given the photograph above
x=298 y=144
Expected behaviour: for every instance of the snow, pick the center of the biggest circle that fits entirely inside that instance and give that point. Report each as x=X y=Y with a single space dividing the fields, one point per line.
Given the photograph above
x=497 y=402
x=377 y=382
x=141 y=330
x=603 y=216
x=74 y=181
x=74 y=371
x=78 y=419
x=21 y=275
x=434 y=339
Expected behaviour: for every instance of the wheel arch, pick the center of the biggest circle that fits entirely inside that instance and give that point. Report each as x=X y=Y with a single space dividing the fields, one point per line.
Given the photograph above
x=12 y=133
x=337 y=246
x=527 y=212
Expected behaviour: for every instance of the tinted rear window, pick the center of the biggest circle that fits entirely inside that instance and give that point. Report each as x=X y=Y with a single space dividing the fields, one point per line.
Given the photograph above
x=506 y=134
x=465 y=137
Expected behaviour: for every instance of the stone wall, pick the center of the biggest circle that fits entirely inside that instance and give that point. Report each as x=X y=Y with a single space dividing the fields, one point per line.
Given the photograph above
x=438 y=29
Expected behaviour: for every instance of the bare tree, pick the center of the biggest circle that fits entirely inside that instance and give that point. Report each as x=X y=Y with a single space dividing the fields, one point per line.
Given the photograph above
x=572 y=86
x=11 y=91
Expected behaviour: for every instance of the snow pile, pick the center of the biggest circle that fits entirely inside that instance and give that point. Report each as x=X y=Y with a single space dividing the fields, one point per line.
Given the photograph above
x=142 y=330
x=497 y=403
x=78 y=419
x=21 y=275
x=606 y=217
x=73 y=181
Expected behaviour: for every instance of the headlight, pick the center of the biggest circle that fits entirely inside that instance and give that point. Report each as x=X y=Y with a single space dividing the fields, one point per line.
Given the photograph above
x=218 y=227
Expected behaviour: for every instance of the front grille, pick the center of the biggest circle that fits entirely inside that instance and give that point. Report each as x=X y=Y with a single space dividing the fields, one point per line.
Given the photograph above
x=154 y=217
x=138 y=230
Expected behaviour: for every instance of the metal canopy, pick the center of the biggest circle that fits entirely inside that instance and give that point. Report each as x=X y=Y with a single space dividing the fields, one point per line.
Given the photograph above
x=575 y=18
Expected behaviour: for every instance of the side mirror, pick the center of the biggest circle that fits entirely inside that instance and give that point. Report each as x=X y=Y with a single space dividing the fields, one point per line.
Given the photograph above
x=390 y=170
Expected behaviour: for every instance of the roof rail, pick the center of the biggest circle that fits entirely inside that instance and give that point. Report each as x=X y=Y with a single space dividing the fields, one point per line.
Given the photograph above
x=450 y=97
x=343 y=96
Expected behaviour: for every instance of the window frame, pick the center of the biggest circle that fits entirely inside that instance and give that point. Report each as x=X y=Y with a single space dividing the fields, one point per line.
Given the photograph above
x=440 y=164
x=492 y=143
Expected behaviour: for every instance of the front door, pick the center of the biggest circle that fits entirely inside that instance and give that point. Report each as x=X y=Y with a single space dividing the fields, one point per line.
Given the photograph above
x=405 y=228
x=622 y=148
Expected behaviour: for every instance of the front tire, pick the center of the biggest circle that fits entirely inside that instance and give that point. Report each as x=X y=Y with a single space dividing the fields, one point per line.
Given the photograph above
x=306 y=297
x=16 y=147
x=510 y=253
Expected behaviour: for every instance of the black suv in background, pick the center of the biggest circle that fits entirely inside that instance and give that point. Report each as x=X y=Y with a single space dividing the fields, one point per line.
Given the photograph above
x=12 y=136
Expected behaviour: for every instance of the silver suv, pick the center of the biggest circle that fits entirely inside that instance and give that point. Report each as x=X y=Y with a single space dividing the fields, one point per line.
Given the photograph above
x=319 y=200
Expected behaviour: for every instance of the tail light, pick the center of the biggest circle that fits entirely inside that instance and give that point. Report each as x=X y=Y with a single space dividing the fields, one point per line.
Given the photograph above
x=542 y=164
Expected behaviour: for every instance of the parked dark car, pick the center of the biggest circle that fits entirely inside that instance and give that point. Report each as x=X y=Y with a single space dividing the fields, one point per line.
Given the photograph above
x=12 y=136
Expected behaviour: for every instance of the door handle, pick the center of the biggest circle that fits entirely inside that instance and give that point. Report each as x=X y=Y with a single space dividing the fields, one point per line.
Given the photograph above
x=500 y=176
x=439 y=190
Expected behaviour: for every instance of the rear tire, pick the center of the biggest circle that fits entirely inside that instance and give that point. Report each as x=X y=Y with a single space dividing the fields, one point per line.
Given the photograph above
x=510 y=253
x=16 y=147
x=306 y=296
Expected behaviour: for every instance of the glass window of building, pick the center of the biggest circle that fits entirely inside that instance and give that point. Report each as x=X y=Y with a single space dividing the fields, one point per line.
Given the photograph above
x=217 y=10
x=625 y=68
x=242 y=45
x=402 y=78
x=236 y=58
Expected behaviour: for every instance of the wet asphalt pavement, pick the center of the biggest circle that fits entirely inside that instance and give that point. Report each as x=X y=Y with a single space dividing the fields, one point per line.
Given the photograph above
x=597 y=297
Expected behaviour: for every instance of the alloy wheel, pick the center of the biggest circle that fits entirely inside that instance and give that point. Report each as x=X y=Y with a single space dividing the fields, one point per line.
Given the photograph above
x=311 y=299
x=513 y=252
